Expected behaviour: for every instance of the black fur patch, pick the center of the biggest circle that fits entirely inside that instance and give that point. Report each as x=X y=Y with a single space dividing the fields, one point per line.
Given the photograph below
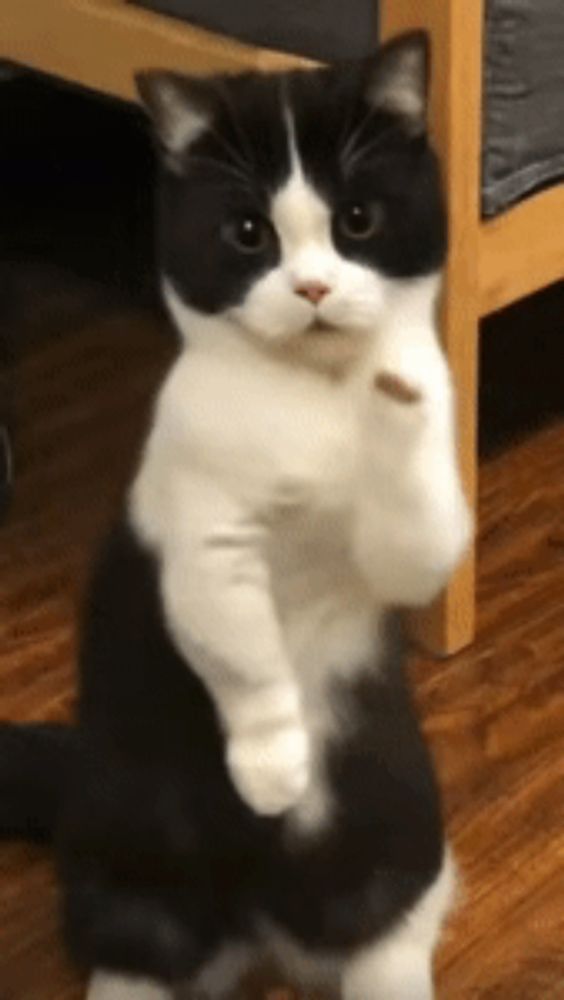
x=349 y=150
x=159 y=858
x=231 y=171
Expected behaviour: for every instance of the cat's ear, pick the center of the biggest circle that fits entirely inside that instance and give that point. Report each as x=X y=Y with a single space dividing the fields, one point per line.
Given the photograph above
x=178 y=106
x=398 y=80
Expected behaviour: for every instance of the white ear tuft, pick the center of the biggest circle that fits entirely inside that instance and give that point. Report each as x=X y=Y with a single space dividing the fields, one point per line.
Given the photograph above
x=177 y=107
x=398 y=80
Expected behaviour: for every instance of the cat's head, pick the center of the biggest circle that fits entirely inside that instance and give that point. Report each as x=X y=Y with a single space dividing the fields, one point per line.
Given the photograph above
x=290 y=205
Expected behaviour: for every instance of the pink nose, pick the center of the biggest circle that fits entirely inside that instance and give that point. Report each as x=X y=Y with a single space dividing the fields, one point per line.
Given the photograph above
x=313 y=291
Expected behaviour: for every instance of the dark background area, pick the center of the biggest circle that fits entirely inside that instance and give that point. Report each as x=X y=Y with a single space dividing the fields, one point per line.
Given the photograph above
x=76 y=182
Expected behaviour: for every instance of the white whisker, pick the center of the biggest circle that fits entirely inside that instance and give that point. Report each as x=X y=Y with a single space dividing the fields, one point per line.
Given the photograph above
x=355 y=134
x=225 y=167
x=354 y=155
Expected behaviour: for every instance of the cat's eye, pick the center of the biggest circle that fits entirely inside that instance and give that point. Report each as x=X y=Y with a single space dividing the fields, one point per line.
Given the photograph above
x=249 y=233
x=359 y=220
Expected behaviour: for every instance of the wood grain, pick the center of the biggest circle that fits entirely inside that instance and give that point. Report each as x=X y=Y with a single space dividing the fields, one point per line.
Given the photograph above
x=521 y=250
x=494 y=715
x=100 y=44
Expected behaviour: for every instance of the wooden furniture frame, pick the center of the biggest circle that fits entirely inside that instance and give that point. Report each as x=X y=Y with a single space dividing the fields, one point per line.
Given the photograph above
x=491 y=263
x=100 y=43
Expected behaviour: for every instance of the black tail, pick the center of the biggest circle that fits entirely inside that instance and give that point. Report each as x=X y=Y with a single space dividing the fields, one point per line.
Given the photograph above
x=35 y=765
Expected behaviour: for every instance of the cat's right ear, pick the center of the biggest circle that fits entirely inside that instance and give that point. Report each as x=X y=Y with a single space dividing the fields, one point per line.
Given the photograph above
x=179 y=108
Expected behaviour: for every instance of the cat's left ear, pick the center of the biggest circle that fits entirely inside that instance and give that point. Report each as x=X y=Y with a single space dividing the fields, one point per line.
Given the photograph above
x=179 y=107
x=398 y=80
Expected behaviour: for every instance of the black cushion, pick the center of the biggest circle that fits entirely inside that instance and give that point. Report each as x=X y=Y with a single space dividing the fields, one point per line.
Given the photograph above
x=322 y=29
x=524 y=106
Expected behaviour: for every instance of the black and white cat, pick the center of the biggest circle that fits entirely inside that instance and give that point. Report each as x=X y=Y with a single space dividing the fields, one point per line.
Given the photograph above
x=248 y=774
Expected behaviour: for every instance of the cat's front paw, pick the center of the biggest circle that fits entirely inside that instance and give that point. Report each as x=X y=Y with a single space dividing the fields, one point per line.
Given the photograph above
x=397 y=388
x=407 y=389
x=270 y=770
x=398 y=407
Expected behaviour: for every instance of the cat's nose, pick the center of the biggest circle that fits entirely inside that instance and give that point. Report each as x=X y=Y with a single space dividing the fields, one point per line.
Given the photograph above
x=313 y=291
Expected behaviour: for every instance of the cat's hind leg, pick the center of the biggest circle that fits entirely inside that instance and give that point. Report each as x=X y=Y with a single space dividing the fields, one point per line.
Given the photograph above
x=399 y=966
x=390 y=971
x=219 y=977
x=115 y=986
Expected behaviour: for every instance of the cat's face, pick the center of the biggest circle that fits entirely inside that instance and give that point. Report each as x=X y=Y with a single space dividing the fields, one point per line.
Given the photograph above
x=291 y=204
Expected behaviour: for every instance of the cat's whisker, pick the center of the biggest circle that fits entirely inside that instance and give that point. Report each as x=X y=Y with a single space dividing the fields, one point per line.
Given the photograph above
x=234 y=119
x=346 y=127
x=356 y=133
x=350 y=158
x=225 y=167
x=231 y=151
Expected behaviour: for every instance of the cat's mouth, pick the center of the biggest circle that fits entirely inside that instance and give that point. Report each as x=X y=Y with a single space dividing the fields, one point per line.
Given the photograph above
x=327 y=347
x=319 y=325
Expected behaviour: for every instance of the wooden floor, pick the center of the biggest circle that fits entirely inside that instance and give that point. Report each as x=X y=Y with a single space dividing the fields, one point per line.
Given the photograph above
x=494 y=715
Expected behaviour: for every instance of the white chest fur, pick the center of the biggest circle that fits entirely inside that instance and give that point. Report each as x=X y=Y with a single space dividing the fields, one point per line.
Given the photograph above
x=279 y=446
x=289 y=508
x=283 y=442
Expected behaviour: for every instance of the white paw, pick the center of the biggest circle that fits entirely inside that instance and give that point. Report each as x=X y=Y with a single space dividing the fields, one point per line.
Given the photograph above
x=398 y=388
x=409 y=388
x=398 y=407
x=270 y=769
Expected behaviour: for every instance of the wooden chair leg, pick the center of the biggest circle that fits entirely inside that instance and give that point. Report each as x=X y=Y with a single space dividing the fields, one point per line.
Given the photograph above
x=455 y=29
x=449 y=624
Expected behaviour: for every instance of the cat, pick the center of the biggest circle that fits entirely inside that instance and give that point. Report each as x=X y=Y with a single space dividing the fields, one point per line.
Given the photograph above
x=247 y=776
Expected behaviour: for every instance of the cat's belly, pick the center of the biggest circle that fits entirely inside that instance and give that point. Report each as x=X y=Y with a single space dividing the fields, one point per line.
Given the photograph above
x=327 y=613
x=331 y=629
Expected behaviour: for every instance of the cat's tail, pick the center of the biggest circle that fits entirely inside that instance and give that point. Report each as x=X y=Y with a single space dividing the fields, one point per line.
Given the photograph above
x=35 y=765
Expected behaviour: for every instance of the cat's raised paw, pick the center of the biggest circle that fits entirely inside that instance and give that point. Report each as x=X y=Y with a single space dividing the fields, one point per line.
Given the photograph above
x=398 y=403
x=270 y=770
x=397 y=388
